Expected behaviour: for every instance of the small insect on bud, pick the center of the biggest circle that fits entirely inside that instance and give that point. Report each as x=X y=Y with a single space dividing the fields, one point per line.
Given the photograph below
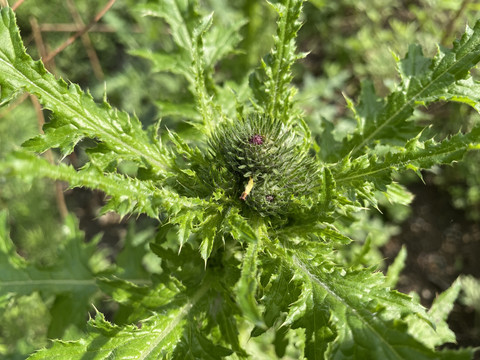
x=256 y=140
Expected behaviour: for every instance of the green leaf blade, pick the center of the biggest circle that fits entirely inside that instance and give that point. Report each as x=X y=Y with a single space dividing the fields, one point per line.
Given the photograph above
x=77 y=115
x=246 y=287
x=446 y=77
x=371 y=173
x=271 y=85
x=153 y=338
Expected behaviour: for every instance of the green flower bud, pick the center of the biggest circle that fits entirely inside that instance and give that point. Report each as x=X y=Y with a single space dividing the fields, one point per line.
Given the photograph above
x=266 y=160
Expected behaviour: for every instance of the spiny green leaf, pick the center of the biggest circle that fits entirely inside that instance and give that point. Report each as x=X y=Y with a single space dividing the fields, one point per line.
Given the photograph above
x=196 y=345
x=220 y=41
x=140 y=300
x=271 y=85
x=441 y=308
x=280 y=278
x=238 y=227
x=416 y=155
x=206 y=246
x=128 y=194
x=223 y=312
x=470 y=291
x=198 y=52
x=369 y=320
x=369 y=105
x=77 y=115
x=182 y=16
x=279 y=291
x=186 y=24
x=315 y=231
x=7 y=94
x=105 y=340
x=446 y=77
x=396 y=268
x=185 y=225
x=398 y=194
x=153 y=338
x=247 y=286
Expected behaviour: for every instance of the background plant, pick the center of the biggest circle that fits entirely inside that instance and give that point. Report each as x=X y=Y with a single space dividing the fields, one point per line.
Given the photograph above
x=192 y=305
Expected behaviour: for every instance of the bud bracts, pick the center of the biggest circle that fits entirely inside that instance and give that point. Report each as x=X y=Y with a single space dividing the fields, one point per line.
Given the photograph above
x=266 y=158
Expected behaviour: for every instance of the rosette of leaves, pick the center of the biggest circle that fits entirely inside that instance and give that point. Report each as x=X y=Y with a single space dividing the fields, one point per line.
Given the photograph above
x=270 y=168
x=225 y=282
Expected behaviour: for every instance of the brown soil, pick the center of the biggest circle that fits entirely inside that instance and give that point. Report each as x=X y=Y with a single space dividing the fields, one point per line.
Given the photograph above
x=441 y=244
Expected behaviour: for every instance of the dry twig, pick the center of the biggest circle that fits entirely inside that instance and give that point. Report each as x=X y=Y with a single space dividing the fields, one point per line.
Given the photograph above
x=17 y=4
x=75 y=36
x=87 y=43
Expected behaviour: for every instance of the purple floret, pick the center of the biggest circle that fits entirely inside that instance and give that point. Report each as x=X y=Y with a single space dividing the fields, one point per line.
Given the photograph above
x=256 y=140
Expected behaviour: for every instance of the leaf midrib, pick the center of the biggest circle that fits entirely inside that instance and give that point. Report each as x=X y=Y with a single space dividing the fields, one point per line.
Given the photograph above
x=411 y=101
x=106 y=131
x=174 y=323
x=399 y=164
x=303 y=268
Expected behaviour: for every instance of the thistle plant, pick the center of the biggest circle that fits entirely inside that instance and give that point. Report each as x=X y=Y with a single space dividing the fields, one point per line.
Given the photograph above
x=251 y=211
